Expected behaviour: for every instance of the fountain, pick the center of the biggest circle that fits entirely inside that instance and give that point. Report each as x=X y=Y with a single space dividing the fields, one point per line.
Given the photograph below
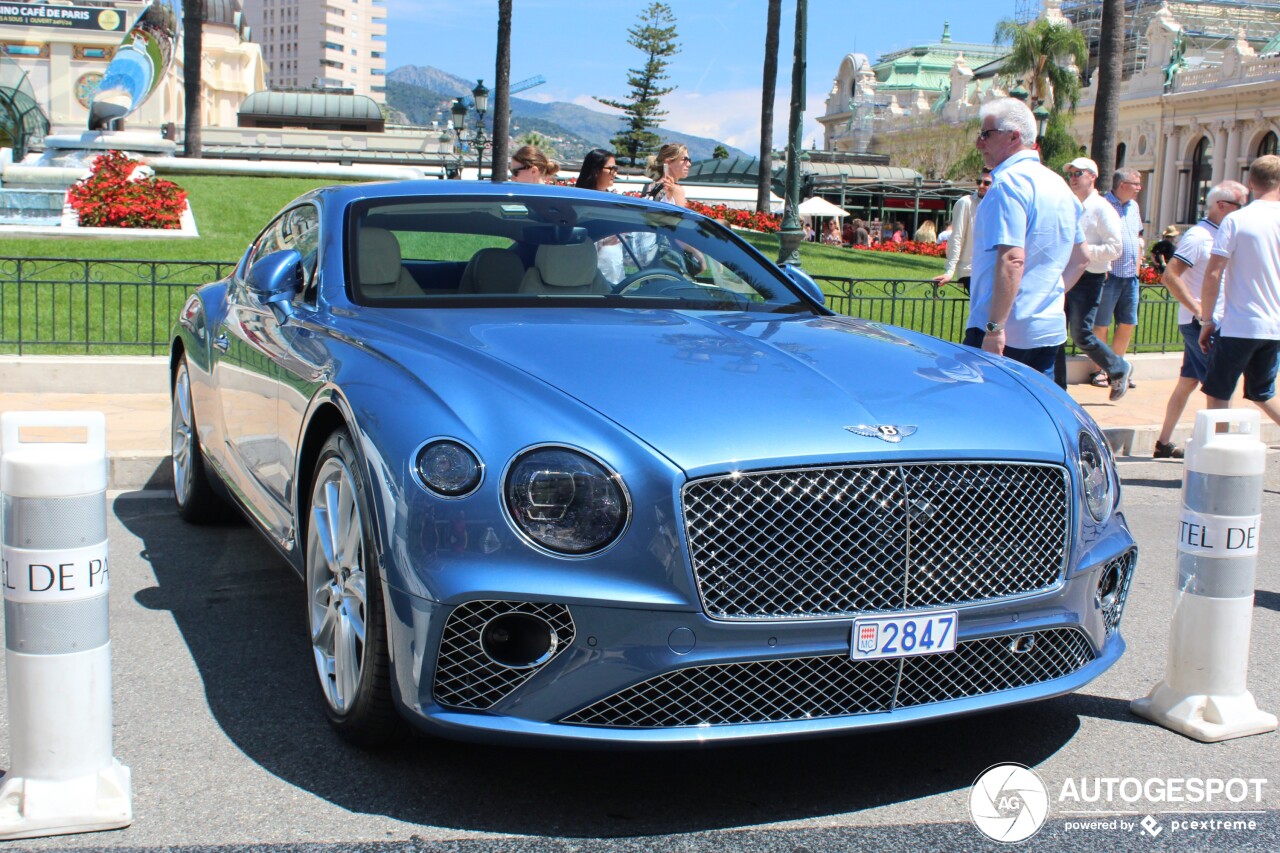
x=33 y=192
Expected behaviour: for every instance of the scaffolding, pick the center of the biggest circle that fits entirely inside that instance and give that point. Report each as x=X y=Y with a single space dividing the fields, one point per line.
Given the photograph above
x=1209 y=25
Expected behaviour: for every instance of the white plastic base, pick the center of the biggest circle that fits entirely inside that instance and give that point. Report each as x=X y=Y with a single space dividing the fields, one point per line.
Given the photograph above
x=31 y=808
x=1205 y=718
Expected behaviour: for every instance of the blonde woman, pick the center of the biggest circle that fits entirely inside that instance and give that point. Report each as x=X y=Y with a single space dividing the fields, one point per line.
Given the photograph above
x=667 y=168
x=530 y=166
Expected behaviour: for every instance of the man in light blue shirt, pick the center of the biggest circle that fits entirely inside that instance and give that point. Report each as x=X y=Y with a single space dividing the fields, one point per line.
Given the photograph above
x=1026 y=236
x=1120 y=293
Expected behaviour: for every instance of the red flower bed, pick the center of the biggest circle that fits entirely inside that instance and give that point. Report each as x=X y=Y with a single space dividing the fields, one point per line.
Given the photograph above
x=1148 y=275
x=911 y=247
x=108 y=199
x=738 y=218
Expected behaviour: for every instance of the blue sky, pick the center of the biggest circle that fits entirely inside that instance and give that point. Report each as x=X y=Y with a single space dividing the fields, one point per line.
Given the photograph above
x=580 y=47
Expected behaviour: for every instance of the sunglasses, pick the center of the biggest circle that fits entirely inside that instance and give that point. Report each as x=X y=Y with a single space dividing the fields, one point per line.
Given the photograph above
x=612 y=170
x=520 y=169
x=1077 y=173
x=985 y=183
x=684 y=160
x=984 y=134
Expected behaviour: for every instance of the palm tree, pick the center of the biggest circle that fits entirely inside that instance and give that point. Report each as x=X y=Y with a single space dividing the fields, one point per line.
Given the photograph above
x=192 y=48
x=502 y=96
x=1041 y=51
x=1107 y=107
x=764 y=180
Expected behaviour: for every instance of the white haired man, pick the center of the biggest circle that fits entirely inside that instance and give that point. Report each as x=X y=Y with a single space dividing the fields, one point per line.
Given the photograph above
x=1184 y=278
x=1026 y=236
x=1102 y=242
x=1245 y=266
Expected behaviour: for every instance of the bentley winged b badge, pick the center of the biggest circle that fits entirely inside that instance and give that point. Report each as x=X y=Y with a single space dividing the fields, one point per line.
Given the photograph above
x=886 y=432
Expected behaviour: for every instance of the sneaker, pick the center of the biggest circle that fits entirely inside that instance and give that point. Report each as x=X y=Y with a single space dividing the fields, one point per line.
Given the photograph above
x=1166 y=451
x=1119 y=386
x=1099 y=379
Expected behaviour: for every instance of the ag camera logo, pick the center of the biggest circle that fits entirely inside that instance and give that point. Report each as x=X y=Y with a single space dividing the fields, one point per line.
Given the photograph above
x=1009 y=802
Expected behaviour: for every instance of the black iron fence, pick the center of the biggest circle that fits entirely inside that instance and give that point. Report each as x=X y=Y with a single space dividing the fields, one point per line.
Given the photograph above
x=58 y=306
x=52 y=306
x=942 y=312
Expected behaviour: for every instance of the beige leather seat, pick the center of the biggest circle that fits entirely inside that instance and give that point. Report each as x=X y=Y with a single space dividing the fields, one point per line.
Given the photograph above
x=380 y=274
x=565 y=270
x=492 y=271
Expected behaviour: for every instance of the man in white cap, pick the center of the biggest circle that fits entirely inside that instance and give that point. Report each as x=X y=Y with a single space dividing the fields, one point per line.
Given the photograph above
x=1102 y=243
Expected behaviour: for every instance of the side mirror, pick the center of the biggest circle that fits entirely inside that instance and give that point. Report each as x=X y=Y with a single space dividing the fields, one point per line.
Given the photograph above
x=807 y=285
x=274 y=281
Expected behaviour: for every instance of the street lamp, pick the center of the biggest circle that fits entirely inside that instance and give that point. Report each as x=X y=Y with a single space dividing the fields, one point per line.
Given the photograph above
x=458 y=117
x=1041 y=112
x=481 y=96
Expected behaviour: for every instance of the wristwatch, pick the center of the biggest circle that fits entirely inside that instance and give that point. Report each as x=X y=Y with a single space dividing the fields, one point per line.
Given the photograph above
x=994 y=327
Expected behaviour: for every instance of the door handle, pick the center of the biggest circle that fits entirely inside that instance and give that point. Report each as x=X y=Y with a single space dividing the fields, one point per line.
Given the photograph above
x=221 y=343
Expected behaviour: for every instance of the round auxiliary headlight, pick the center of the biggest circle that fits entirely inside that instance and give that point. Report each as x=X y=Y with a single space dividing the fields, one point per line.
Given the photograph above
x=1095 y=477
x=565 y=501
x=448 y=468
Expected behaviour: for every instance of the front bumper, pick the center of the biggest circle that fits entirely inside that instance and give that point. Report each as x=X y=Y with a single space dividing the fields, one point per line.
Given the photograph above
x=662 y=677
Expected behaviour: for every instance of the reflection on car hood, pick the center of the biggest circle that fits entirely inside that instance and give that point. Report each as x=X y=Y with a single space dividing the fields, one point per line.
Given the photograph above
x=710 y=390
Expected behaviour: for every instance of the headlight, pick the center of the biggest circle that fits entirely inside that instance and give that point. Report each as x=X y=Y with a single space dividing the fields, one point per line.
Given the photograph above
x=565 y=501
x=1095 y=477
x=448 y=468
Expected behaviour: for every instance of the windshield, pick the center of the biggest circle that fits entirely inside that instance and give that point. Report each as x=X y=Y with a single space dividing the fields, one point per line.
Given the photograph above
x=417 y=252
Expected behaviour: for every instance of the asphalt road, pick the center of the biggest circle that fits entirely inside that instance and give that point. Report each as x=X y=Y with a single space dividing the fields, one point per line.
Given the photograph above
x=217 y=715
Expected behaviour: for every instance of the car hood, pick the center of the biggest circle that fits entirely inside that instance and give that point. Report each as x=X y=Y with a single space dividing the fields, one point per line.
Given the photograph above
x=713 y=390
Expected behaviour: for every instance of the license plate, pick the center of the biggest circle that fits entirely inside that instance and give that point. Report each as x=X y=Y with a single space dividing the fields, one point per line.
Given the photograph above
x=904 y=635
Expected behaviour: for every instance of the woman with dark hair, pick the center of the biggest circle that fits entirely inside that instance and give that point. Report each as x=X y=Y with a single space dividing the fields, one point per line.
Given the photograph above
x=597 y=173
x=598 y=170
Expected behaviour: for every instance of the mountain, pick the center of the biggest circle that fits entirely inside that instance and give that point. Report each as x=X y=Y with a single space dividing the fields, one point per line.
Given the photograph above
x=424 y=94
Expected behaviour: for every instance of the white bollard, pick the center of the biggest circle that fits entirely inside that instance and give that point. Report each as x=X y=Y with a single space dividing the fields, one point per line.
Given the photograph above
x=1204 y=693
x=54 y=573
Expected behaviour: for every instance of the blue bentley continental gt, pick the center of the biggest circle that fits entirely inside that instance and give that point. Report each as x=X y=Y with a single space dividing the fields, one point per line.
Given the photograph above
x=569 y=467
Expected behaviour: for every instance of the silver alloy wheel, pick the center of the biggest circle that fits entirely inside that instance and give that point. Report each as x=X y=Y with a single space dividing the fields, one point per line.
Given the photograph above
x=183 y=430
x=336 y=584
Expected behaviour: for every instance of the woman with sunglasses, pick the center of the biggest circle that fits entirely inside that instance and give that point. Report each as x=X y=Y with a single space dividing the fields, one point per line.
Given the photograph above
x=597 y=173
x=530 y=166
x=599 y=169
x=667 y=168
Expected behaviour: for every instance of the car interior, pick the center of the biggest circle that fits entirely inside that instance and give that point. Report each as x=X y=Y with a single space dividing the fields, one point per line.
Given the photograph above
x=441 y=252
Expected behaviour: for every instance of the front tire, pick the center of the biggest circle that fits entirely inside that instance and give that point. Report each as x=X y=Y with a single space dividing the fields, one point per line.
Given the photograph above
x=345 y=611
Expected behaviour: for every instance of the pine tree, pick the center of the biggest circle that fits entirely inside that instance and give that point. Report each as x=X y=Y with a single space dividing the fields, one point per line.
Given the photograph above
x=655 y=37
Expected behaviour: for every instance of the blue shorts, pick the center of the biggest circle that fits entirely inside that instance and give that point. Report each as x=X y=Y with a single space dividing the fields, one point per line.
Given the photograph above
x=1195 y=363
x=1255 y=358
x=1119 y=301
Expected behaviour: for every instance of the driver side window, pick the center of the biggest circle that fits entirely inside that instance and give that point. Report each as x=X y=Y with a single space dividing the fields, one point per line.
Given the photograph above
x=297 y=228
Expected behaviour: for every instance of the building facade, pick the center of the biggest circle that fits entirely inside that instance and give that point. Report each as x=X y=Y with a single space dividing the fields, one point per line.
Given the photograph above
x=906 y=88
x=322 y=44
x=56 y=63
x=1200 y=108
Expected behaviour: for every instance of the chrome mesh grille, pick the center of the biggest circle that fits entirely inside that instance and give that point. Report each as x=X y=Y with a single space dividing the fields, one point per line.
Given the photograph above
x=828 y=542
x=834 y=686
x=465 y=676
x=1113 y=608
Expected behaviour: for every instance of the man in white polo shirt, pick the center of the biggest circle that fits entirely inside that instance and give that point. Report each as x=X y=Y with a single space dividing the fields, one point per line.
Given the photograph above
x=1246 y=266
x=1184 y=277
x=1026 y=235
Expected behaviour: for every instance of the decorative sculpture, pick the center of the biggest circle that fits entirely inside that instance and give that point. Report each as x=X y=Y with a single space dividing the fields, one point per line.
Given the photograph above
x=139 y=64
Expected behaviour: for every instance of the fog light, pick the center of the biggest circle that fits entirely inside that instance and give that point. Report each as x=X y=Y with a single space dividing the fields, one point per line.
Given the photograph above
x=518 y=641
